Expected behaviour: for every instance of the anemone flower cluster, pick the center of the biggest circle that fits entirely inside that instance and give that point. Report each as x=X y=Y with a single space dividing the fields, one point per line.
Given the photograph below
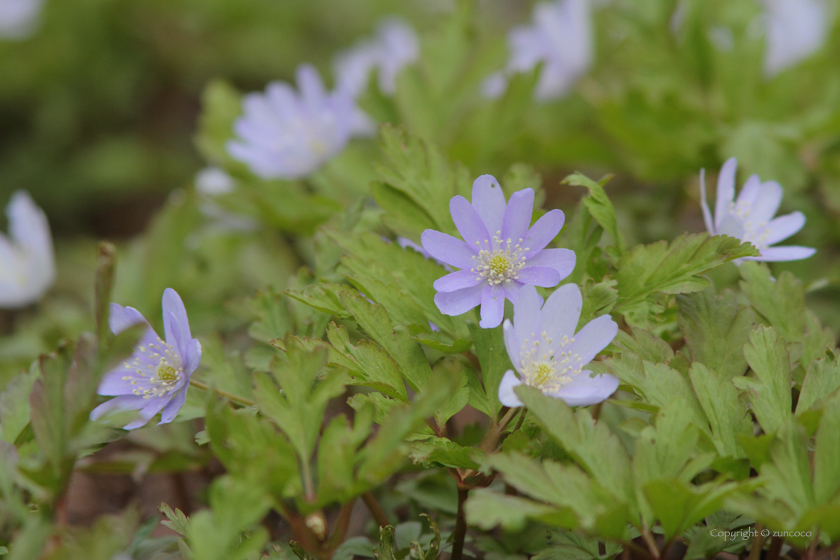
x=500 y=251
x=796 y=29
x=19 y=18
x=560 y=38
x=155 y=378
x=27 y=263
x=285 y=134
x=549 y=355
x=750 y=216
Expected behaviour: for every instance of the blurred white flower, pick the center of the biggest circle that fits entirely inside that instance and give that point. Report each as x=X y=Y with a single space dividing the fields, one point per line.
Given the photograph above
x=750 y=216
x=212 y=181
x=796 y=29
x=19 y=18
x=560 y=38
x=27 y=264
x=394 y=46
x=285 y=134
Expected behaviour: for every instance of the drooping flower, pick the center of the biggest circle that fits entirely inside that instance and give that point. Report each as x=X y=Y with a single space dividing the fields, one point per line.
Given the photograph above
x=394 y=46
x=750 y=217
x=157 y=375
x=796 y=29
x=19 y=18
x=27 y=263
x=560 y=37
x=500 y=252
x=288 y=135
x=549 y=355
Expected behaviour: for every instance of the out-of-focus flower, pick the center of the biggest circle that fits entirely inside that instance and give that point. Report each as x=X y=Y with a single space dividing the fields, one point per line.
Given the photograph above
x=19 y=18
x=547 y=353
x=500 y=252
x=394 y=46
x=796 y=29
x=288 y=135
x=750 y=217
x=560 y=37
x=212 y=181
x=156 y=377
x=27 y=263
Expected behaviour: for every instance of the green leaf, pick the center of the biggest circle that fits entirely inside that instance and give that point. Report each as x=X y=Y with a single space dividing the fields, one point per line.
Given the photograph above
x=821 y=381
x=488 y=509
x=827 y=455
x=221 y=106
x=727 y=416
x=494 y=360
x=715 y=329
x=446 y=453
x=566 y=545
x=598 y=299
x=599 y=205
x=370 y=363
x=769 y=394
x=673 y=269
x=176 y=520
x=14 y=405
x=679 y=505
x=779 y=302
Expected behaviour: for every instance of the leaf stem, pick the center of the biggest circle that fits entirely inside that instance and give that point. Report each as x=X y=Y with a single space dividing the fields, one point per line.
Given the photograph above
x=225 y=394
x=775 y=548
x=651 y=543
x=460 y=532
x=375 y=509
x=757 y=544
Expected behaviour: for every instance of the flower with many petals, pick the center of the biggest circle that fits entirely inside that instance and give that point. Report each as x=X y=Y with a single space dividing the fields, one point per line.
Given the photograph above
x=560 y=38
x=288 y=135
x=19 y=18
x=27 y=264
x=750 y=217
x=549 y=355
x=796 y=29
x=394 y=46
x=500 y=253
x=157 y=375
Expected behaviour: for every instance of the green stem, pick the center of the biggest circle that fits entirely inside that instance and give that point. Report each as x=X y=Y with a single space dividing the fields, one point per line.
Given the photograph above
x=225 y=394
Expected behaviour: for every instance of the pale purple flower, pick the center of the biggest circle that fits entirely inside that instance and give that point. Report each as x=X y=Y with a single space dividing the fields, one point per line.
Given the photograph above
x=156 y=377
x=560 y=37
x=394 y=46
x=796 y=29
x=500 y=252
x=750 y=217
x=19 y=18
x=549 y=355
x=407 y=243
x=27 y=262
x=288 y=135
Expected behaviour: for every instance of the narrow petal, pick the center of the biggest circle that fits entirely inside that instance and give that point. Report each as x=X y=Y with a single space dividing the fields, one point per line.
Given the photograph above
x=512 y=290
x=113 y=384
x=561 y=312
x=594 y=337
x=172 y=304
x=170 y=411
x=585 y=390
x=456 y=303
x=457 y=281
x=125 y=402
x=512 y=343
x=707 y=216
x=492 y=307
x=193 y=357
x=766 y=203
x=543 y=232
x=561 y=260
x=749 y=192
x=468 y=222
x=173 y=335
x=784 y=226
x=507 y=396
x=121 y=318
x=448 y=249
x=518 y=215
x=526 y=320
x=725 y=190
x=489 y=201
x=148 y=412
x=782 y=254
x=541 y=276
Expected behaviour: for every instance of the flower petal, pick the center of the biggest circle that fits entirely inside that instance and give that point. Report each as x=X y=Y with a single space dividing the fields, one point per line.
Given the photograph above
x=784 y=226
x=456 y=303
x=541 y=276
x=749 y=192
x=766 y=203
x=561 y=260
x=517 y=218
x=492 y=307
x=594 y=337
x=783 y=254
x=704 y=206
x=193 y=357
x=121 y=318
x=172 y=304
x=448 y=249
x=561 y=312
x=585 y=390
x=526 y=320
x=113 y=384
x=543 y=232
x=512 y=343
x=468 y=222
x=489 y=201
x=148 y=412
x=725 y=190
x=512 y=290
x=457 y=281
x=125 y=402
x=507 y=396
x=170 y=411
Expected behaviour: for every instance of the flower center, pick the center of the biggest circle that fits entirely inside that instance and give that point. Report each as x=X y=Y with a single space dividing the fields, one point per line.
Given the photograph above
x=499 y=261
x=155 y=380
x=542 y=368
x=756 y=234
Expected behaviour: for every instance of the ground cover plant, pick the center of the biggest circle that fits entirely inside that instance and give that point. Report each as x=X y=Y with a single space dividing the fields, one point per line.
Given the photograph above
x=487 y=280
